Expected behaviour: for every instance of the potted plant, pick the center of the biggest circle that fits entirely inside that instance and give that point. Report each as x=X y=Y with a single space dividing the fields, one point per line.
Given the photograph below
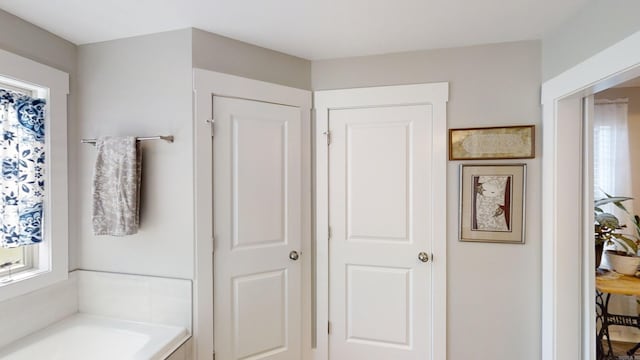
x=608 y=231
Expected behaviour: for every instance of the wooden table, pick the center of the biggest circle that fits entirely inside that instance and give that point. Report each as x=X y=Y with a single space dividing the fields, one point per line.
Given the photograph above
x=624 y=285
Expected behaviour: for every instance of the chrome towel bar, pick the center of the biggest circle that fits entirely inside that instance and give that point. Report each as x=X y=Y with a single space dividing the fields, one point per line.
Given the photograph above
x=168 y=138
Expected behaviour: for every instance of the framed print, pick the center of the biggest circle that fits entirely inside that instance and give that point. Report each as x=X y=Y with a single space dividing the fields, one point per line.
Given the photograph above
x=492 y=201
x=511 y=142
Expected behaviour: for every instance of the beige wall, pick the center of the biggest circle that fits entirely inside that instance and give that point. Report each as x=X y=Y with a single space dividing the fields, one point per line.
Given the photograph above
x=494 y=290
x=225 y=55
x=598 y=25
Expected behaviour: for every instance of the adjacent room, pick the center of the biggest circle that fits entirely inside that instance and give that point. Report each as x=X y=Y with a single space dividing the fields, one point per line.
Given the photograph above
x=318 y=180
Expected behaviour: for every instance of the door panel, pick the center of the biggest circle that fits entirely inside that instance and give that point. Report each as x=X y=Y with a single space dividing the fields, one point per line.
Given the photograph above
x=382 y=291
x=257 y=185
x=379 y=197
x=269 y=335
x=259 y=181
x=372 y=214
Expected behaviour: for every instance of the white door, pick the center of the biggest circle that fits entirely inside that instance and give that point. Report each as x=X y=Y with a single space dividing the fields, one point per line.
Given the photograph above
x=257 y=230
x=380 y=197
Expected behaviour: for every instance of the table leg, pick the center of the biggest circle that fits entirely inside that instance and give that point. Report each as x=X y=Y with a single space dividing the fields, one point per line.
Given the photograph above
x=602 y=310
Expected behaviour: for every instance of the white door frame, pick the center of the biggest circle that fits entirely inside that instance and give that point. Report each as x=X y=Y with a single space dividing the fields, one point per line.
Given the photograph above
x=568 y=331
x=436 y=94
x=205 y=85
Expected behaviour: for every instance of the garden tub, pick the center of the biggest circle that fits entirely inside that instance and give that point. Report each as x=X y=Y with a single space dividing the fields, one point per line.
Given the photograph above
x=83 y=336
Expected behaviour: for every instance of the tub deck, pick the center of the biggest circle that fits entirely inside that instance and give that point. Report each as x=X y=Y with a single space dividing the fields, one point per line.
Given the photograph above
x=83 y=336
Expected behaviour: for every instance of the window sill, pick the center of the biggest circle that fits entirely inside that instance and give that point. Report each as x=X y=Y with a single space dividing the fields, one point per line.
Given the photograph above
x=7 y=280
x=28 y=281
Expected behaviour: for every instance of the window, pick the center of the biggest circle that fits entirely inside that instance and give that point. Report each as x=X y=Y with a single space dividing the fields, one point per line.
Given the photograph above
x=16 y=147
x=15 y=260
x=611 y=152
x=33 y=254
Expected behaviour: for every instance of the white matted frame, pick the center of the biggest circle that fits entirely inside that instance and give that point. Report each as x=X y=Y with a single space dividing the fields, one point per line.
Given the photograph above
x=205 y=85
x=568 y=331
x=53 y=255
x=514 y=206
x=436 y=94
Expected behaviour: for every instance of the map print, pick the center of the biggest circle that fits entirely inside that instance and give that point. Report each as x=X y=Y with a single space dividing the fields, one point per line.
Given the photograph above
x=491 y=210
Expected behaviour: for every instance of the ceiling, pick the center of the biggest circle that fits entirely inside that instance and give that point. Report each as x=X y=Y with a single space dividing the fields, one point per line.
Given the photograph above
x=312 y=29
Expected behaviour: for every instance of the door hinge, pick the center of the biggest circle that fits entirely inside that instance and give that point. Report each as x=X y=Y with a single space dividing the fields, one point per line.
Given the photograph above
x=329 y=327
x=211 y=123
x=328 y=135
x=330 y=233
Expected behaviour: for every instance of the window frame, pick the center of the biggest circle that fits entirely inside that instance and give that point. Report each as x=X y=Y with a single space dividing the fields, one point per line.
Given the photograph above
x=50 y=261
x=29 y=261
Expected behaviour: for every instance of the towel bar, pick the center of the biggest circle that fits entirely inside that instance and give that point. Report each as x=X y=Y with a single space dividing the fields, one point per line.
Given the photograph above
x=168 y=138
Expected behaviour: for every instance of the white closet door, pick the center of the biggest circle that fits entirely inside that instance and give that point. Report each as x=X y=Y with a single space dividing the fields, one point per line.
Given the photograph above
x=379 y=213
x=257 y=230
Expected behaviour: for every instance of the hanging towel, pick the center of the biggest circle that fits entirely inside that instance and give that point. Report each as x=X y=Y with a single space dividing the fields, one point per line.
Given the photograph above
x=116 y=186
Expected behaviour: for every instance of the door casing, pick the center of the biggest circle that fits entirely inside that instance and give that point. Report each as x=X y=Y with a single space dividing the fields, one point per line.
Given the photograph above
x=206 y=84
x=435 y=94
x=568 y=330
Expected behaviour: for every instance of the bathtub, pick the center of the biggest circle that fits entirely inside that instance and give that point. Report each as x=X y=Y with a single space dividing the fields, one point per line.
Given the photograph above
x=84 y=337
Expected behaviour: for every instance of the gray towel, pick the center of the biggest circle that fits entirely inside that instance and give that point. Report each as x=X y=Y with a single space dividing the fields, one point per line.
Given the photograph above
x=116 y=186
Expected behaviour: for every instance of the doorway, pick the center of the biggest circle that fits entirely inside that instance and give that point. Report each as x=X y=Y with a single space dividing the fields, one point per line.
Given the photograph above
x=568 y=260
x=615 y=126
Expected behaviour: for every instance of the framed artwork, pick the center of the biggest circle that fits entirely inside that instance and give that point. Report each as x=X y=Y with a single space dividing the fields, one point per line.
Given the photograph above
x=492 y=200
x=511 y=142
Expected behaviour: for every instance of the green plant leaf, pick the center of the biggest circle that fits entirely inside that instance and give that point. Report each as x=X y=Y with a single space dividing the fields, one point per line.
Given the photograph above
x=607 y=220
x=607 y=225
x=616 y=200
x=629 y=244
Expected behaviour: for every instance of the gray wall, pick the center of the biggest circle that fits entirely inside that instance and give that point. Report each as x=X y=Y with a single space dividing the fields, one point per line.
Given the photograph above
x=27 y=40
x=225 y=55
x=142 y=86
x=493 y=289
x=139 y=86
x=600 y=24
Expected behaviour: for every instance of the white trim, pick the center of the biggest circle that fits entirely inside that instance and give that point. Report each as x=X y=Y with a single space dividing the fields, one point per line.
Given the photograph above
x=53 y=254
x=566 y=331
x=205 y=84
x=588 y=256
x=436 y=94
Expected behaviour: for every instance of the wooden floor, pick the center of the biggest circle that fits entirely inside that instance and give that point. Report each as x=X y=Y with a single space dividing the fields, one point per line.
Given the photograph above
x=620 y=349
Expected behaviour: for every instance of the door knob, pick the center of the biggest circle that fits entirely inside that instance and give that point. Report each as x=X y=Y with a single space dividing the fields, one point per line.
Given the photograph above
x=423 y=256
x=294 y=255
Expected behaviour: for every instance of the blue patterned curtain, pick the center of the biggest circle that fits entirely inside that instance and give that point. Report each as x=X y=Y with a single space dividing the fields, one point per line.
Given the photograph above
x=22 y=181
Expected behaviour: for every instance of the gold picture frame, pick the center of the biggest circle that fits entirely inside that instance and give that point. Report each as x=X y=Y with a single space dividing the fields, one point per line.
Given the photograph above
x=492 y=203
x=507 y=142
